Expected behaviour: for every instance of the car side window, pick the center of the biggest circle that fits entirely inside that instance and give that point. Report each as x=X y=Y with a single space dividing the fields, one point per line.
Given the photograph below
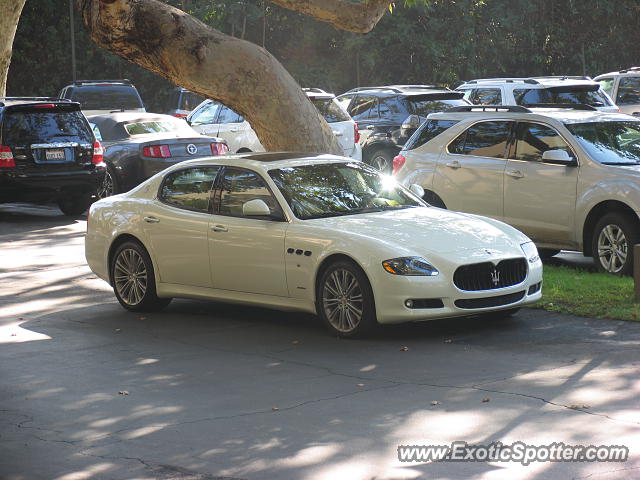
x=533 y=139
x=388 y=107
x=206 y=115
x=344 y=101
x=239 y=186
x=628 y=91
x=229 y=116
x=431 y=129
x=607 y=85
x=484 y=139
x=189 y=188
x=365 y=106
x=486 y=96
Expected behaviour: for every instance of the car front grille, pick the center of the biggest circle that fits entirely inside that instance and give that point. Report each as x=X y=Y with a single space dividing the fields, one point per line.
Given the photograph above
x=487 y=276
x=486 y=302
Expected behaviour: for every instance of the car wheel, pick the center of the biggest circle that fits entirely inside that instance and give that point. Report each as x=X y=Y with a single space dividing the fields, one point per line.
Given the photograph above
x=345 y=300
x=546 y=253
x=74 y=206
x=382 y=160
x=433 y=199
x=612 y=244
x=109 y=185
x=133 y=279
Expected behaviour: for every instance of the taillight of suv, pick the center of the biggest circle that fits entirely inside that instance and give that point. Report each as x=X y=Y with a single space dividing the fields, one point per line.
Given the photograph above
x=98 y=153
x=6 y=157
x=398 y=163
x=356 y=133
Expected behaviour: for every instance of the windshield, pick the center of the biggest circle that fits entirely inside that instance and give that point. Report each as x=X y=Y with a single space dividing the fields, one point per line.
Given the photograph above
x=425 y=107
x=330 y=110
x=578 y=95
x=610 y=143
x=334 y=189
x=116 y=97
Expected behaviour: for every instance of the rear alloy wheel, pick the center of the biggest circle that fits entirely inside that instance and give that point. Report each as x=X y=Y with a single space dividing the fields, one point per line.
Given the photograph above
x=74 y=206
x=133 y=279
x=109 y=185
x=382 y=160
x=345 y=300
x=613 y=240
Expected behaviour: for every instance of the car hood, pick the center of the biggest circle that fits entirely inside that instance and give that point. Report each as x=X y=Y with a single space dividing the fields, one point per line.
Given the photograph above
x=429 y=229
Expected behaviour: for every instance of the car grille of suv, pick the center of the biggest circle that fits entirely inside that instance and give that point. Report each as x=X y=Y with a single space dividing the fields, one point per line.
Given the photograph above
x=487 y=276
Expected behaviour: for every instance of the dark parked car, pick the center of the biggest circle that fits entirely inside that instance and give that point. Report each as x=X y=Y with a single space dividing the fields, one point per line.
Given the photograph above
x=139 y=145
x=387 y=116
x=181 y=102
x=48 y=153
x=104 y=96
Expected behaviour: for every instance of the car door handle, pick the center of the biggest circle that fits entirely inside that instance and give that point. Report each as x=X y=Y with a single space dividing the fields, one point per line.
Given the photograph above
x=151 y=220
x=337 y=133
x=234 y=130
x=514 y=173
x=219 y=228
x=455 y=164
x=370 y=127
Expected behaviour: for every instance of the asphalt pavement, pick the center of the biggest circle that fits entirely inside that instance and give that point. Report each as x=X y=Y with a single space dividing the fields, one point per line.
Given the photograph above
x=205 y=391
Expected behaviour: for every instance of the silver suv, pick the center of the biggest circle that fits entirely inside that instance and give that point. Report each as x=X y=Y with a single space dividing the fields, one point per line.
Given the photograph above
x=624 y=87
x=568 y=178
x=537 y=91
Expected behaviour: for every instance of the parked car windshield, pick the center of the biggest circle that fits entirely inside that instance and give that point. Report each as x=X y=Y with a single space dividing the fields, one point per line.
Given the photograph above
x=45 y=127
x=107 y=98
x=330 y=110
x=334 y=189
x=533 y=96
x=610 y=143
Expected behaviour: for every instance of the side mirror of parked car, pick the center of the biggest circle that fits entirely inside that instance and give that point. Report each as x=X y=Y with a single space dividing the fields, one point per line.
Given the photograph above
x=412 y=122
x=560 y=157
x=255 y=208
x=416 y=190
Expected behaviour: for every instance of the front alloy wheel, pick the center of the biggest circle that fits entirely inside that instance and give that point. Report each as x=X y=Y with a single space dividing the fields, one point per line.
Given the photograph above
x=345 y=300
x=382 y=160
x=613 y=241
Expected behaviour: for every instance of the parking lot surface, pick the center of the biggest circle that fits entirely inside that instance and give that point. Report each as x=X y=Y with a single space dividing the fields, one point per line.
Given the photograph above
x=204 y=390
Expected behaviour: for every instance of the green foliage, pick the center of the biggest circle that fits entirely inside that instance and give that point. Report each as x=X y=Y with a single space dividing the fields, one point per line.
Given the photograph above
x=421 y=41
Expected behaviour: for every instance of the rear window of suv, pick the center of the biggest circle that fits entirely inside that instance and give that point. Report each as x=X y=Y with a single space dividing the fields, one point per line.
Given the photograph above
x=330 y=110
x=24 y=127
x=532 y=96
x=425 y=107
x=111 y=97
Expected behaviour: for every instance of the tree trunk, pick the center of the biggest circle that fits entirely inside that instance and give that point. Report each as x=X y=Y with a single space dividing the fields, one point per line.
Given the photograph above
x=190 y=54
x=11 y=10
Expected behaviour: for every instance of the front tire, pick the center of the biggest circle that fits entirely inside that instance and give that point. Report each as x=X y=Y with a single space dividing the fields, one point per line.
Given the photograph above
x=345 y=300
x=382 y=160
x=133 y=279
x=613 y=239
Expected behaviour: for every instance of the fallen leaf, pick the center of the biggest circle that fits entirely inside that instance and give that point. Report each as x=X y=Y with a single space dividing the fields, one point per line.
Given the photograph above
x=448 y=340
x=142 y=318
x=404 y=349
x=296 y=342
x=549 y=304
x=633 y=315
x=578 y=407
x=275 y=409
x=486 y=399
x=435 y=402
x=14 y=334
x=359 y=384
x=118 y=329
x=123 y=392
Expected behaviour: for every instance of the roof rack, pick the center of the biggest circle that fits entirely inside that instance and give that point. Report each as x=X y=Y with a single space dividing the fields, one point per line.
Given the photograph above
x=361 y=89
x=313 y=90
x=123 y=81
x=566 y=106
x=490 y=108
x=530 y=80
x=3 y=100
x=630 y=69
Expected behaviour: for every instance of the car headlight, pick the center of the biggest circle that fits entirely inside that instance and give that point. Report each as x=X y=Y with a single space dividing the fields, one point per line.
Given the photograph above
x=530 y=251
x=415 y=266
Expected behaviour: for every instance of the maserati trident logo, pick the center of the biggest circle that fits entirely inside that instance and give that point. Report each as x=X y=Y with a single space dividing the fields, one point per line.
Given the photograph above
x=495 y=277
x=192 y=149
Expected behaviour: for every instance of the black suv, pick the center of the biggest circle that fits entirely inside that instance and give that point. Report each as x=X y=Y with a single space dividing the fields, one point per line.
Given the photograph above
x=48 y=153
x=104 y=96
x=387 y=116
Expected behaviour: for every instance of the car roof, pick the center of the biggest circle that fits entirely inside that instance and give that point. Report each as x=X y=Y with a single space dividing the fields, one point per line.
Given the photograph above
x=531 y=82
x=563 y=115
x=629 y=72
x=405 y=92
x=269 y=160
x=9 y=101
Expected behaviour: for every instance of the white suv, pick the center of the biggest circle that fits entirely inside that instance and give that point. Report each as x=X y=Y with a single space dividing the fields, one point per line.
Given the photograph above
x=568 y=178
x=214 y=119
x=624 y=87
x=537 y=91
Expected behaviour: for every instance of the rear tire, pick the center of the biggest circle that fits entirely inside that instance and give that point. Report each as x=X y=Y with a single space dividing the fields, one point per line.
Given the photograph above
x=344 y=300
x=110 y=185
x=382 y=160
x=74 y=206
x=133 y=279
x=614 y=236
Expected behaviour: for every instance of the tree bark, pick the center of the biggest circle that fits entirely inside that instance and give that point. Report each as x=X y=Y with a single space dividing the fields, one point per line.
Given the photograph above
x=190 y=54
x=358 y=17
x=11 y=10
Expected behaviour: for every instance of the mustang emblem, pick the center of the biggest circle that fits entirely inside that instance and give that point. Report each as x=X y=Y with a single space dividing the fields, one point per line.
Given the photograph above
x=495 y=277
x=192 y=149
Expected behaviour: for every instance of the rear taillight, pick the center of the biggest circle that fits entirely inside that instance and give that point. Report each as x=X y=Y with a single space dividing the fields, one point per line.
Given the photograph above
x=98 y=153
x=44 y=105
x=6 y=157
x=356 y=133
x=180 y=115
x=157 y=151
x=398 y=163
x=219 y=148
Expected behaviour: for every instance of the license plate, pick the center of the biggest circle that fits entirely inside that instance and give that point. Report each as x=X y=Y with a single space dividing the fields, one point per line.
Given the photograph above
x=54 y=154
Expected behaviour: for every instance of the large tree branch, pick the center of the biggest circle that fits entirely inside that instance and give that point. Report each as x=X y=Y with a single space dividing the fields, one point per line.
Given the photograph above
x=358 y=17
x=11 y=10
x=238 y=73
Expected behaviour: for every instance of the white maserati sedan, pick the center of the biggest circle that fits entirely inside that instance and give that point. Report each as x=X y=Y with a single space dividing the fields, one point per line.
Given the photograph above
x=306 y=232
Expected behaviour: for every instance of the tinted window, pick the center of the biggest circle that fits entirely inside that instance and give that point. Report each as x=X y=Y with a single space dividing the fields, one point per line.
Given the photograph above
x=485 y=139
x=607 y=85
x=205 y=115
x=190 y=100
x=610 y=143
x=389 y=107
x=430 y=129
x=229 y=116
x=425 y=107
x=114 y=97
x=533 y=96
x=189 y=188
x=628 y=91
x=364 y=107
x=344 y=101
x=240 y=186
x=486 y=96
x=330 y=110
x=44 y=127
x=141 y=128
x=534 y=139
